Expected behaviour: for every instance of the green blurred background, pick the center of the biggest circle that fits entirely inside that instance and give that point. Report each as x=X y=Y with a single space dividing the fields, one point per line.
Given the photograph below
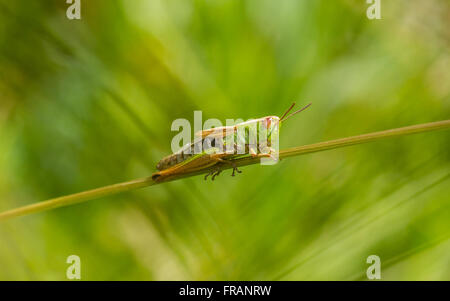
x=86 y=103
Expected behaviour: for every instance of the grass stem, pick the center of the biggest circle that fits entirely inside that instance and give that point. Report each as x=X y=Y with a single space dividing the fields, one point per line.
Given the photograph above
x=147 y=181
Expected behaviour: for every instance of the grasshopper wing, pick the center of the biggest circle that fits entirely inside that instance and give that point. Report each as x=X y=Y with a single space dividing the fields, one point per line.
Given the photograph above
x=197 y=162
x=217 y=132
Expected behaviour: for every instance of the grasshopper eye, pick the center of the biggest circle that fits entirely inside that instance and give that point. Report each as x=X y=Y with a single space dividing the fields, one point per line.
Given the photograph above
x=267 y=122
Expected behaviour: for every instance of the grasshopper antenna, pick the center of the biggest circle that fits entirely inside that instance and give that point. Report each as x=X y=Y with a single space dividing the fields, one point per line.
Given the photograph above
x=288 y=110
x=284 y=118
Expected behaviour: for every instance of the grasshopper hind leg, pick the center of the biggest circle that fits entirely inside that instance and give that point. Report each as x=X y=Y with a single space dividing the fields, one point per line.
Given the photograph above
x=213 y=173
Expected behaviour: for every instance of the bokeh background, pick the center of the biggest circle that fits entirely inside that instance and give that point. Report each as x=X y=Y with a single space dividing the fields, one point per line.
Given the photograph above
x=86 y=103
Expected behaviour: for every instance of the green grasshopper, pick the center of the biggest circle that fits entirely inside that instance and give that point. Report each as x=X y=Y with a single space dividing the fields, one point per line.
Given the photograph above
x=239 y=141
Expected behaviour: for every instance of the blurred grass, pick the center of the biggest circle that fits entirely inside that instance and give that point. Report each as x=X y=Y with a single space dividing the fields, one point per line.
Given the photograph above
x=89 y=103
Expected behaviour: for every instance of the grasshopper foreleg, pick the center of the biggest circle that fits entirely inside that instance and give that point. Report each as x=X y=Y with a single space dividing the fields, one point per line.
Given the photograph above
x=235 y=169
x=216 y=171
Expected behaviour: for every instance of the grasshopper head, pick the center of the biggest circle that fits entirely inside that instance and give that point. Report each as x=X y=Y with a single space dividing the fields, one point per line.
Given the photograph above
x=270 y=126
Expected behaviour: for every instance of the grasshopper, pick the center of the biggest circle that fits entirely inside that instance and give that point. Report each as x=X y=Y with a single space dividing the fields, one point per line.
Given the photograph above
x=240 y=141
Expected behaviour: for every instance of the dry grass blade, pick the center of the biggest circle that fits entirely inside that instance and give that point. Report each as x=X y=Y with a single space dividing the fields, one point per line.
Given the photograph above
x=147 y=181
